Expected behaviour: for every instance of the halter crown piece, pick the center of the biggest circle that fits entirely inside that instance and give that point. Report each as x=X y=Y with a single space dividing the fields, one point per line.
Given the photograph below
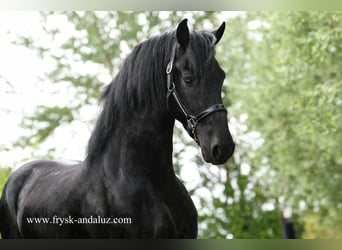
x=192 y=120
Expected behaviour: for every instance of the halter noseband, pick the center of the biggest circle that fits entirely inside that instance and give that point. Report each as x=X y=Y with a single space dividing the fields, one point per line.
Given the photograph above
x=192 y=120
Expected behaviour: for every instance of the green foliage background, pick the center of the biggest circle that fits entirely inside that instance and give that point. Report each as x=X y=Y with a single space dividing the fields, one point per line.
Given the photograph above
x=284 y=95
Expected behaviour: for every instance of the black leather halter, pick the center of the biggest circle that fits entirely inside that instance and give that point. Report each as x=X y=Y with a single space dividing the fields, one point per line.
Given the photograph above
x=192 y=120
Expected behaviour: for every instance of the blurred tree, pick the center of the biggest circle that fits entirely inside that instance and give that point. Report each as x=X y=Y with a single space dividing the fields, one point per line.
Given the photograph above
x=4 y=174
x=290 y=88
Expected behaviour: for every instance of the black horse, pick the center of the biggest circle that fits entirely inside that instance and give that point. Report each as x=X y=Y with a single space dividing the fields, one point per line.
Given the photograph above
x=126 y=187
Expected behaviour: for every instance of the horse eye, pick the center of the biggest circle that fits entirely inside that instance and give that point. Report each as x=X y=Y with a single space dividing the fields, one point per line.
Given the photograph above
x=187 y=81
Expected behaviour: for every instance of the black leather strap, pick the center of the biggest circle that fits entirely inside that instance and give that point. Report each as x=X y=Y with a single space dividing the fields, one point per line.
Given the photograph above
x=212 y=109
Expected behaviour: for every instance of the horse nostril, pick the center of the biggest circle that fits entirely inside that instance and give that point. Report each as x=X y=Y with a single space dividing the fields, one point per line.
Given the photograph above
x=216 y=152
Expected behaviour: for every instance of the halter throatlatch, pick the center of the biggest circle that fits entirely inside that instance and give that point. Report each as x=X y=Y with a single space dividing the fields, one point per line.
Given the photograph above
x=192 y=120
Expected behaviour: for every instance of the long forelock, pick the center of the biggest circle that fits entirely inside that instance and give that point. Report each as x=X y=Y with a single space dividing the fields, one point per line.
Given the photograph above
x=201 y=50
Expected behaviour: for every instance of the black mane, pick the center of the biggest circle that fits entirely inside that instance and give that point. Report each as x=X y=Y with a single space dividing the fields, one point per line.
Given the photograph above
x=140 y=84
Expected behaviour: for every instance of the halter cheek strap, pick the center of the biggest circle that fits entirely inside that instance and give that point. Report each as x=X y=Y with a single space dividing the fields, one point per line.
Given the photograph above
x=192 y=120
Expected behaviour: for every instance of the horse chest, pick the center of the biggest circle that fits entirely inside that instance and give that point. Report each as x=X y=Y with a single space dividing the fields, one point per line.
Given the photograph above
x=155 y=214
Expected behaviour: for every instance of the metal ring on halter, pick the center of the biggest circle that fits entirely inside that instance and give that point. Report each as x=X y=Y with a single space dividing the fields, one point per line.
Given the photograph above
x=171 y=87
x=192 y=123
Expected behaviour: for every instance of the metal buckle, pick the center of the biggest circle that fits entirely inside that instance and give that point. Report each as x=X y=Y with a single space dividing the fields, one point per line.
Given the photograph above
x=169 y=67
x=192 y=123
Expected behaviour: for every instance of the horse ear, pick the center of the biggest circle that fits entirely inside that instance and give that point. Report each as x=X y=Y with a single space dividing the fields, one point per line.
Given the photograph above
x=182 y=34
x=219 y=32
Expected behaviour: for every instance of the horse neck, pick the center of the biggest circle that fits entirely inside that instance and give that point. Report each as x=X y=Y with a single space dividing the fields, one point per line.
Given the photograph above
x=140 y=146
